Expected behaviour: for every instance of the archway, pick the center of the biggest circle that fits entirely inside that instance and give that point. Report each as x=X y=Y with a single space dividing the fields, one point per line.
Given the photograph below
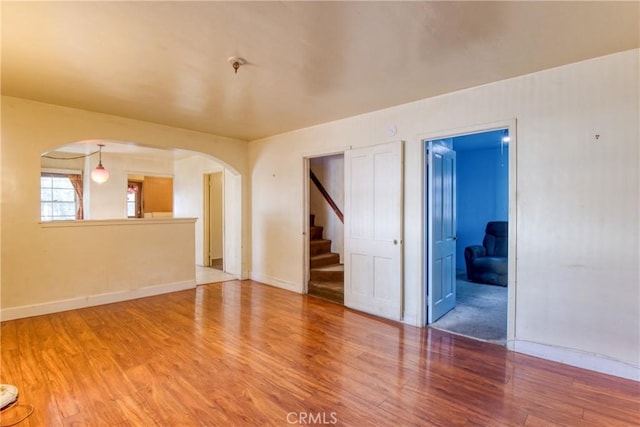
x=126 y=161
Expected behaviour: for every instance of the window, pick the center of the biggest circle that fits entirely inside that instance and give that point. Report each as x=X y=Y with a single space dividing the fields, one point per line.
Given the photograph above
x=57 y=197
x=134 y=199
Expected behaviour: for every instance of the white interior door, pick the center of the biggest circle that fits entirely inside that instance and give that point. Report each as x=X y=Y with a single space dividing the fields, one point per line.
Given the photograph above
x=373 y=230
x=441 y=226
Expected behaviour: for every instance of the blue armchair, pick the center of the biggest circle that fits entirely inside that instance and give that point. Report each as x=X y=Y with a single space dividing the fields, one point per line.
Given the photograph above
x=488 y=263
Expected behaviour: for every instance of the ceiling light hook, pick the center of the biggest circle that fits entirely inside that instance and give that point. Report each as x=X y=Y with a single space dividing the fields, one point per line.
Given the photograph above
x=236 y=62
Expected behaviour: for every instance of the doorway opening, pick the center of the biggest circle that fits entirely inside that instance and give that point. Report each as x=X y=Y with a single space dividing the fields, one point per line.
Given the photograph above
x=134 y=199
x=220 y=218
x=325 y=206
x=214 y=220
x=468 y=219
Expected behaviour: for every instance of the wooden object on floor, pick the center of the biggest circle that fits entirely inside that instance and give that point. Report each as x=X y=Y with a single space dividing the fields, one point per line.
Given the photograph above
x=243 y=353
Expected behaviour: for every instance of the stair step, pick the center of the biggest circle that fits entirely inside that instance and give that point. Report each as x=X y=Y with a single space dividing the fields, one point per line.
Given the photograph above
x=324 y=259
x=315 y=232
x=317 y=247
x=332 y=291
x=333 y=272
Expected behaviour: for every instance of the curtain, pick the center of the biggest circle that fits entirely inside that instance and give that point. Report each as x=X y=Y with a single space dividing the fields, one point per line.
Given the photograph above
x=76 y=181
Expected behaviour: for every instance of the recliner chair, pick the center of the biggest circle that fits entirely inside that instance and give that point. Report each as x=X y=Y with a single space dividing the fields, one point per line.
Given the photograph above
x=488 y=263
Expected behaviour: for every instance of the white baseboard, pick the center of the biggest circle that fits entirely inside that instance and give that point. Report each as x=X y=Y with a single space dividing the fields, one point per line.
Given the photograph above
x=278 y=283
x=578 y=358
x=411 y=319
x=31 y=310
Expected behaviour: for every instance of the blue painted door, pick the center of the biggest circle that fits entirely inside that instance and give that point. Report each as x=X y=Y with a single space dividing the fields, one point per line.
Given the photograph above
x=441 y=229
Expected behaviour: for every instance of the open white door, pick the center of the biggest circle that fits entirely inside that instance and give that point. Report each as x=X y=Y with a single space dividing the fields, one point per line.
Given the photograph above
x=441 y=226
x=373 y=230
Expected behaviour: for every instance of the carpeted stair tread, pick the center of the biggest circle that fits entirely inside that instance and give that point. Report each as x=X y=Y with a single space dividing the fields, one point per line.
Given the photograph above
x=315 y=232
x=326 y=274
x=332 y=272
x=319 y=242
x=319 y=246
x=332 y=291
x=321 y=260
x=332 y=267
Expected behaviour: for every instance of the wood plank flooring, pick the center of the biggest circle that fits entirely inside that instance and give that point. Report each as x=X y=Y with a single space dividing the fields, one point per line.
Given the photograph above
x=243 y=353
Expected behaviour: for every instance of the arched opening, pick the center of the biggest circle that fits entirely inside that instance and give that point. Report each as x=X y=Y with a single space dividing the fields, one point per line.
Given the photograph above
x=134 y=170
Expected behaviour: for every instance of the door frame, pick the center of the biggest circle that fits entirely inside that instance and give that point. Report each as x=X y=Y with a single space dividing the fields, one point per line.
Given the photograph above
x=206 y=219
x=511 y=126
x=306 y=210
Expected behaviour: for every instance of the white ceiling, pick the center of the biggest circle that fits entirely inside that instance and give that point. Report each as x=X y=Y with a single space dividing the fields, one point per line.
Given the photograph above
x=123 y=148
x=309 y=62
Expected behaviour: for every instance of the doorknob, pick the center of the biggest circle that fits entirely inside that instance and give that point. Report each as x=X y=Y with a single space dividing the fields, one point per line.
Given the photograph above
x=395 y=242
x=455 y=237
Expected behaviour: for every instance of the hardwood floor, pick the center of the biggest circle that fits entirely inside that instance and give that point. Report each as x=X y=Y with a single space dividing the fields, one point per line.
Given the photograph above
x=242 y=353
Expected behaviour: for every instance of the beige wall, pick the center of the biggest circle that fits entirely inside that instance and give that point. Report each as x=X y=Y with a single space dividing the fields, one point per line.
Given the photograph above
x=109 y=199
x=576 y=284
x=190 y=202
x=80 y=262
x=31 y=274
x=233 y=214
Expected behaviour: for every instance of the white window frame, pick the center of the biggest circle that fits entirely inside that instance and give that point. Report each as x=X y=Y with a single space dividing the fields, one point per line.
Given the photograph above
x=60 y=172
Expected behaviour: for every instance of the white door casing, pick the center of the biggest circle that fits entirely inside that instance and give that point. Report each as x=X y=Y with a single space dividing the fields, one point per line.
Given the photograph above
x=441 y=232
x=373 y=229
x=216 y=216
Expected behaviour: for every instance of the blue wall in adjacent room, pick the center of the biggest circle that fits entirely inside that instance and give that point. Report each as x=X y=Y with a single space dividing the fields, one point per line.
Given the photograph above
x=482 y=174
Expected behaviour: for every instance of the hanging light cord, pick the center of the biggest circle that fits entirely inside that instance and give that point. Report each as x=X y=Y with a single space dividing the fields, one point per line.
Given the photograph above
x=15 y=404
x=70 y=158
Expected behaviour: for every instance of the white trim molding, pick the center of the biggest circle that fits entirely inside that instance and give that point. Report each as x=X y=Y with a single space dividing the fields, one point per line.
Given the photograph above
x=581 y=359
x=31 y=310
x=278 y=283
x=512 y=125
x=411 y=318
x=111 y=222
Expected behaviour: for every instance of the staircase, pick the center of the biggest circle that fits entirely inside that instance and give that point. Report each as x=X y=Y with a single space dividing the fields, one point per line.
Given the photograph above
x=326 y=275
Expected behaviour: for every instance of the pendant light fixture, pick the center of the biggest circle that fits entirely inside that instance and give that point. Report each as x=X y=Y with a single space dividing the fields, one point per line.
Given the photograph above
x=100 y=174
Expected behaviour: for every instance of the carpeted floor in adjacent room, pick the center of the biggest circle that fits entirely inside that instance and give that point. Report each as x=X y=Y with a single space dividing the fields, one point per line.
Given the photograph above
x=480 y=312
